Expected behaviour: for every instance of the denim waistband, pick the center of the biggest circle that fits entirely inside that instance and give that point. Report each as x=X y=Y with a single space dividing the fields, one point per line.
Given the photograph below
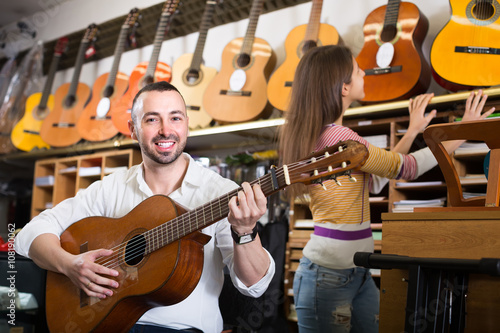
x=342 y=234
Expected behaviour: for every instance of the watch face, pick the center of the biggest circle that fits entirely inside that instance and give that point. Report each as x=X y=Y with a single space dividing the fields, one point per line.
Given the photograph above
x=246 y=239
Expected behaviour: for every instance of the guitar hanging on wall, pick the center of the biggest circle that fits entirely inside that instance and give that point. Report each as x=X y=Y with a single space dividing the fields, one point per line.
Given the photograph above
x=146 y=72
x=298 y=41
x=392 y=58
x=59 y=127
x=95 y=122
x=26 y=133
x=191 y=77
x=466 y=53
x=158 y=247
x=238 y=93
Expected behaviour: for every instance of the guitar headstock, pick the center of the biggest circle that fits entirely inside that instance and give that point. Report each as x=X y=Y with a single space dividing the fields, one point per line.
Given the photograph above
x=61 y=46
x=132 y=18
x=90 y=33
x=327 y=163
x=169 y=7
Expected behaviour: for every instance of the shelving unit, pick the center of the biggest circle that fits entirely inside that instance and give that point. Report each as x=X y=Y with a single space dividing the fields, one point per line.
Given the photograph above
x=57 y=179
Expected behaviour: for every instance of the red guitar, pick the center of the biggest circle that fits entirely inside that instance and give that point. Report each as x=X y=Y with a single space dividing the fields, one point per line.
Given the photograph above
x=238 y=93
x=392 y=56
x=95 y=122
x=146 y=72
x=26 y=134
x=59 y=127
x=158 y=249
x=298 y=41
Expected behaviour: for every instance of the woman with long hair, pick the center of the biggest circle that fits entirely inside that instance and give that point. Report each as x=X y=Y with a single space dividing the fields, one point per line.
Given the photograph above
x=332 y=294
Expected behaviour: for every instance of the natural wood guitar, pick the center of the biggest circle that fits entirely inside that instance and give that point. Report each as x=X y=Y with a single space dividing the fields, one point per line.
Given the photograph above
x=158 y=248
x=238 y=93
x=298 y=41
x=20 y=87
x=95 y=122
x=59 y=126
x=191 y=77
x=146 y=72
x=466 y=53
x=392 y=56
x=26 y=133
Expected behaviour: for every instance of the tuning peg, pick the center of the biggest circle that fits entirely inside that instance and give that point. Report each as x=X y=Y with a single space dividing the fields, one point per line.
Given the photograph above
x=336 y=181
x=341 y=149
x=344 y=165
x=351 y=178
x=322 y=185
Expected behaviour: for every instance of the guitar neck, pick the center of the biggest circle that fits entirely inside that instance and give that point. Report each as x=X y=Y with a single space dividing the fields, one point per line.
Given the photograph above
x=78 y=68
x=50 y=80
x=312 y=31
x=257 y=5
x=206 y=23
x=161 y=30
x=207 y=214
x=120 y=46
x=391 y=14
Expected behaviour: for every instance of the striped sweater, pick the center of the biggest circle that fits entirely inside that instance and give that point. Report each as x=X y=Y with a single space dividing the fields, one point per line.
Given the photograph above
x=341 y=214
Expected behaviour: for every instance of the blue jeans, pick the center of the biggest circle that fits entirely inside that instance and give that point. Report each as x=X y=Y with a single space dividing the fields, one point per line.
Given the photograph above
x=335 y=300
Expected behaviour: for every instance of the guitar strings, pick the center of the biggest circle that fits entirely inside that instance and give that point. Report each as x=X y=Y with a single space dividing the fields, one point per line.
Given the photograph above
x=144 y=245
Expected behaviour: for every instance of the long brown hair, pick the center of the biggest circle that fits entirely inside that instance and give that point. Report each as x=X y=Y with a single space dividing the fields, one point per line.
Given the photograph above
x=315 y=101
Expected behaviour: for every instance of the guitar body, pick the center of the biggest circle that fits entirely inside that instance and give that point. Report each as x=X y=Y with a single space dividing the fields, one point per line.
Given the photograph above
x=456 y=70
x=26 y=133
x=415 y=73
x=280 y=83
x=120 y=115
x=234 y=108
x=59 y=127
x=193 y=91
x=94 y=128
x=9 y=116
x=163 y=277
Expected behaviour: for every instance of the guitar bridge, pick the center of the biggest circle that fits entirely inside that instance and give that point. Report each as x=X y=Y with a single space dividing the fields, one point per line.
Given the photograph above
x=477 y=50
x=235 y=93
x=385 y=70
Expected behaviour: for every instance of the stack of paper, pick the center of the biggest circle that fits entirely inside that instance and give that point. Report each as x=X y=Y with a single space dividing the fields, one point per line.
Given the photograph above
x=472 y=148
x=381 y=141
x=405 y=206
x=413 y=184
x=90 y=171
x=44 y=181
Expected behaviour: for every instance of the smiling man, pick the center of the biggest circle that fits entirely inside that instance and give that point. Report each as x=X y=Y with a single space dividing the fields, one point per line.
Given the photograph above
x=160 y=125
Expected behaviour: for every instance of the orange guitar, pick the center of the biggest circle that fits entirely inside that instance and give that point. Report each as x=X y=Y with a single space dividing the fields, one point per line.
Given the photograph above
x=59 y=127
x=158 y=248
x=392 y=56
x=466 y=52
x=95 y=122
x=146 y=72
x=26 y=133
x=191 y=77
x=298 y=41
x=238 y=93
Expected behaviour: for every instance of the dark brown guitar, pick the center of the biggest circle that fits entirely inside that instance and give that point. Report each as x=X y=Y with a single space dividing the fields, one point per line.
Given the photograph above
x=392 y=56
x=158 y=248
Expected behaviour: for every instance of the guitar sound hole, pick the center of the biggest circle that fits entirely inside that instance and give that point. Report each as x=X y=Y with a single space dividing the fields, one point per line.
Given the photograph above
x=308 y=45
x=483 y=10
x=388 y=33
x=108 y=91
x=134 y=251
x=68 y=102
x=243 y=60
x=192 y=76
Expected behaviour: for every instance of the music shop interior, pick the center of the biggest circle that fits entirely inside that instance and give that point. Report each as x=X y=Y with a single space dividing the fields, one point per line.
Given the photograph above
x=70 y=70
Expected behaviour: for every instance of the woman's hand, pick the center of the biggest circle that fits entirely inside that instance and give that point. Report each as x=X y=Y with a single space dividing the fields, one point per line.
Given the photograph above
x=474 y=107
x=418 y=119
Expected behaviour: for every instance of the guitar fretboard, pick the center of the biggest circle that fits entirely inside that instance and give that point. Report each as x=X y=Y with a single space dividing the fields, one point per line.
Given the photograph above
x=312 y=31
x=391 y=14
x=206 y=23
x=255 y=11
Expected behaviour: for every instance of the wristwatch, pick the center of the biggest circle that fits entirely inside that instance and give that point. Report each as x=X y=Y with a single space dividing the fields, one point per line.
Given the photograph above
x=244 y=239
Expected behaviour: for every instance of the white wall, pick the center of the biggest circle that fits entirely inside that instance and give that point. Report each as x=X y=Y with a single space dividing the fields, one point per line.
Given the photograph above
x=346 y=16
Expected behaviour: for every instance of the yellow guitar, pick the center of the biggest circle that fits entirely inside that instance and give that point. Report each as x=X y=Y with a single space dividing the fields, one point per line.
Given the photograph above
x=191 y=77
x=26 y=133
x=466 y=52
x=299 y=40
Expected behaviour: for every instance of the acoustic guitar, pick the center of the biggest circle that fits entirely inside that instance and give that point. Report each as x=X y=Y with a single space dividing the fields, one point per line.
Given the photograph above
x=59 y=126
x=95 y=122
x=26 y=133
x=23 y=83
x=238 y=93
x=298 y=41
x=146 y=72
x=158 y=248
x=466 y=53
x=191 y=77
x=392 y=56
